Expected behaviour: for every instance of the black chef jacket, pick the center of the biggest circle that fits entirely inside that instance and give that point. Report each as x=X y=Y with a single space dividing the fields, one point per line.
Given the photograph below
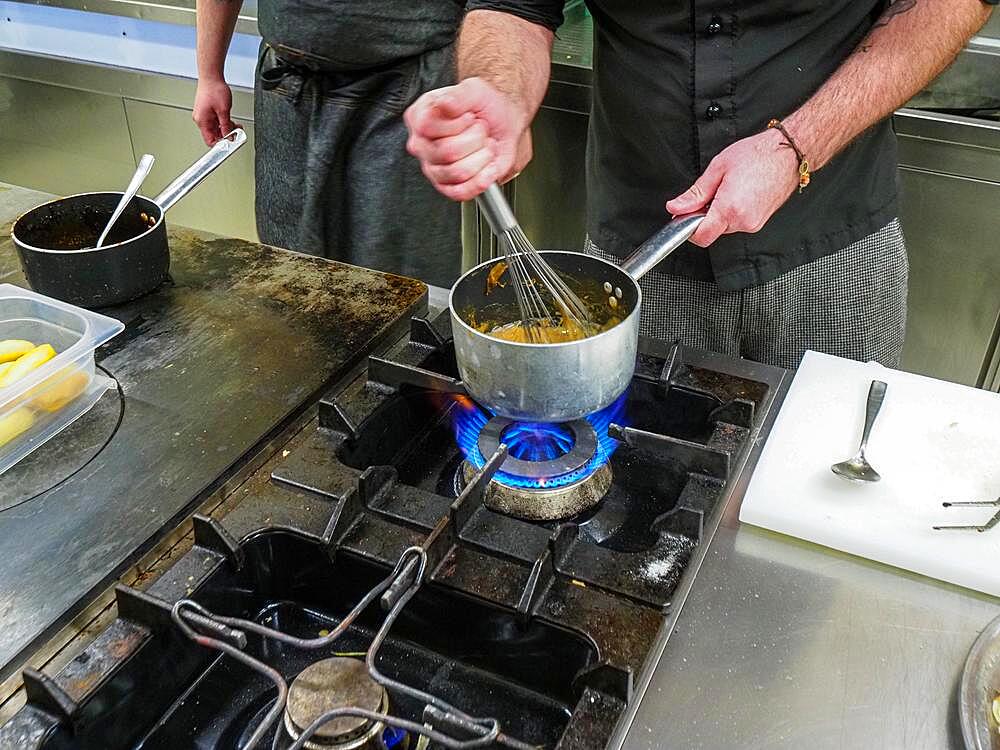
x=356 y=35
x=677 y=82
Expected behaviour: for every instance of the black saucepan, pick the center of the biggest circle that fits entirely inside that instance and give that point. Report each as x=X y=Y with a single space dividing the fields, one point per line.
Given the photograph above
x=55 y=241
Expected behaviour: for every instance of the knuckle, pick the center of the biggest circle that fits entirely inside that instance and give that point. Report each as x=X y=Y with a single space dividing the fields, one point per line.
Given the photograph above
x=429 y=173
x=486 y=178
x=417 y=147
x=446 y=153
x=420 y=120
x=449 y=175
x=476 y=135
x=738 y=218
x=456 y=193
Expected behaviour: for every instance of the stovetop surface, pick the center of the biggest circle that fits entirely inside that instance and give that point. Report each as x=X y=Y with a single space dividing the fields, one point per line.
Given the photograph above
x=542 y=626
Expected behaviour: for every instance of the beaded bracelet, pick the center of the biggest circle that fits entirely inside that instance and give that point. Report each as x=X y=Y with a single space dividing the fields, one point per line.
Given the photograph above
x=804 y=173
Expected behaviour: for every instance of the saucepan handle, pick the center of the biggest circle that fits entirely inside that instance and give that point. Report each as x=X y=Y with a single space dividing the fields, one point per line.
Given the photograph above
x=201 y=169
x=660 y=245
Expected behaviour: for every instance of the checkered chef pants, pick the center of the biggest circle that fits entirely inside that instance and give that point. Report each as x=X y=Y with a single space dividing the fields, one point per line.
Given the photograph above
x=851 y=304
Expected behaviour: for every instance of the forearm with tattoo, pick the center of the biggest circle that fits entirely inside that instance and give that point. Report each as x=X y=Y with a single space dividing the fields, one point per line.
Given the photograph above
x=911 y=44
x=896 y=8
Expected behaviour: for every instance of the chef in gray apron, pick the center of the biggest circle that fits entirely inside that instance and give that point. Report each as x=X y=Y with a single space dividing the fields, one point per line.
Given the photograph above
x=332 y=174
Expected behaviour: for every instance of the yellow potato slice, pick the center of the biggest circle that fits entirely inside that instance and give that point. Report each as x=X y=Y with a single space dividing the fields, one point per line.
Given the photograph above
x=15 y=423
x=65 y=386
x=11 y=349
x=26 y=363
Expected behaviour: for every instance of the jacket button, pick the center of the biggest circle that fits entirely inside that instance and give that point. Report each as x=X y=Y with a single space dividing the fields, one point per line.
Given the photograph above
x=714 y=26
x=712 y=111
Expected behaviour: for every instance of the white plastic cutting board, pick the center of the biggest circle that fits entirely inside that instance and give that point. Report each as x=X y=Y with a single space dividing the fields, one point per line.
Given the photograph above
x=933 y=442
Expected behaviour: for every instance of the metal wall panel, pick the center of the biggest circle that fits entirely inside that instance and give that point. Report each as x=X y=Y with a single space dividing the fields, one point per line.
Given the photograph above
x=951 y=226
x=62 y=141
x=550 y=195
x=223 y=203
x=118 y=82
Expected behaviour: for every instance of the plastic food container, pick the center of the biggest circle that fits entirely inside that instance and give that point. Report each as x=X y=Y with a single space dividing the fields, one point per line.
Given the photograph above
x=51 y=397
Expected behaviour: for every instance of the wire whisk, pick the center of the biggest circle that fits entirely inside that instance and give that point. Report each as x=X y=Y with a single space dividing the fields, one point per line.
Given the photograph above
x=533 y=278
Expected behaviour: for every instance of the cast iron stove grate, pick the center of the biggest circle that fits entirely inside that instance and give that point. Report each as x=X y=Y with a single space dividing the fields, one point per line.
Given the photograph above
x=540 y=625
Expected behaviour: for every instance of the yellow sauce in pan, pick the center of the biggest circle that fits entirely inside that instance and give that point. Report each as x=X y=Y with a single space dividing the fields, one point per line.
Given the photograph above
x=552 y=331
x=502 y=321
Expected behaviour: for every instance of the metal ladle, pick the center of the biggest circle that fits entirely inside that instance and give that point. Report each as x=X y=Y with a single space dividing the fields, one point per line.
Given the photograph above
x=145 y=164
x=857 y=468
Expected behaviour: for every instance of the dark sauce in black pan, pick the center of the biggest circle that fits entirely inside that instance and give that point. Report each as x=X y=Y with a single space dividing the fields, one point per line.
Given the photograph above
x=79 y=226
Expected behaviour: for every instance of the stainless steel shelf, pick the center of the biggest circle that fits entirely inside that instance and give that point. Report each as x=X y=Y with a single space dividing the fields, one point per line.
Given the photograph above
x=166 y=11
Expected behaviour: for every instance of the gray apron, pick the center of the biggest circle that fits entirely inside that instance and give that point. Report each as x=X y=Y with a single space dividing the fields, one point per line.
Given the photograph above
x=332 y=173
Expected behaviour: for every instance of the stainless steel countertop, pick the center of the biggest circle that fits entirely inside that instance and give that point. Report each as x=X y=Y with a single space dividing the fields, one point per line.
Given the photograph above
x=784 y=644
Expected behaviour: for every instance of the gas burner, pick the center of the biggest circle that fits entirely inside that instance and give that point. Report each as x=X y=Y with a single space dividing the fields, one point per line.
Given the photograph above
x=332 y=683
x=551 y=463
x=552 y=470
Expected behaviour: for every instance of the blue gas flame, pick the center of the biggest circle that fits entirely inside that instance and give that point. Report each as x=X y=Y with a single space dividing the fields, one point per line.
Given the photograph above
x=537 y=441
x=534 y=441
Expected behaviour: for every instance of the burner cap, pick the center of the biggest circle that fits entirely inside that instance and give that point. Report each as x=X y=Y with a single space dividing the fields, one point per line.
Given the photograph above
x=328 y=684
x=583 y=447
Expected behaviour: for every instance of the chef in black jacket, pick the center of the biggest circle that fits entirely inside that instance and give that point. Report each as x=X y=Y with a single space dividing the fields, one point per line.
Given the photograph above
x=332 y=174
x=771 y=115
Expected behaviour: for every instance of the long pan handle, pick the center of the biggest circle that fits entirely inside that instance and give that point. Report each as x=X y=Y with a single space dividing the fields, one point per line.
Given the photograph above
x=660 y=245
x=201 y=169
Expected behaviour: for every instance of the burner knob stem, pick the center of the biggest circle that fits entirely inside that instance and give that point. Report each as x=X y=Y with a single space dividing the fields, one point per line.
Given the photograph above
x=438 y=719
x=213 y=629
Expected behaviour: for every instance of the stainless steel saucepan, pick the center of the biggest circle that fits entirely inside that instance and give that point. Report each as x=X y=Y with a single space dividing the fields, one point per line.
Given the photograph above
x=563 y=381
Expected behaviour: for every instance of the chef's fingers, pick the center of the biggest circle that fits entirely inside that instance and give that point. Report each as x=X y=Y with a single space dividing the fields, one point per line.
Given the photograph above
x=461 y=171
x=468 y=190
x=427 y=126
x=227 y=126
x=700 y=194
x=210 y=130
x=425 y=119
x=522 y=156
x=473 y=95
x=714 y=225
x=455 y=148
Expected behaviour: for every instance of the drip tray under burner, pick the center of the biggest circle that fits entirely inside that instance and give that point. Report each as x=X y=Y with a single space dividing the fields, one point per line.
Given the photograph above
x=545 y=503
